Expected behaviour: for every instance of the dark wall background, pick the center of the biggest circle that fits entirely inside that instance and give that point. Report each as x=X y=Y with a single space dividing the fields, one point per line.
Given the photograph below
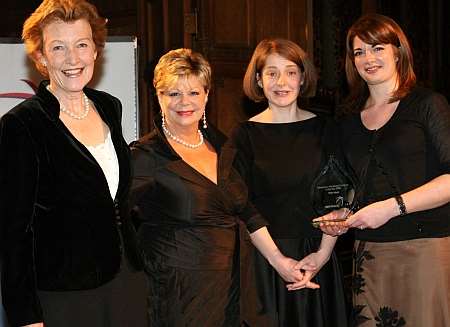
x=425 y=24
x=227 y=31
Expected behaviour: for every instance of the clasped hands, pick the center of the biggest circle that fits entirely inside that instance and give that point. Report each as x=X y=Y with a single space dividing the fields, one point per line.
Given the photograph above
x=298 y=274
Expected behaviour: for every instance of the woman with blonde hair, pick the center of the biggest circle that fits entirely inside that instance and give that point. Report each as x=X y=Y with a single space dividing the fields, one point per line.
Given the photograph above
x=188 y=197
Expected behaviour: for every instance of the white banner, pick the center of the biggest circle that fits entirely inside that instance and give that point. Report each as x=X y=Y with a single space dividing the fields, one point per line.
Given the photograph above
x=115 y=73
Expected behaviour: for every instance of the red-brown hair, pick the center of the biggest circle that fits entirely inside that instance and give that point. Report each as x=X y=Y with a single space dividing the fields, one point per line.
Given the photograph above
x=286 y=49
x=50 y=11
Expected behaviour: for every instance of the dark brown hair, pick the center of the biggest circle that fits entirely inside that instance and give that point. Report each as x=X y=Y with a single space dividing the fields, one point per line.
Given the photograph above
x=377 y=29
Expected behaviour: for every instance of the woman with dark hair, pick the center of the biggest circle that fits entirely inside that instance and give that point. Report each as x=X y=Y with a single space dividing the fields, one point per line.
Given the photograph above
x=397 y=138
x=281 y=151
x=69 y=256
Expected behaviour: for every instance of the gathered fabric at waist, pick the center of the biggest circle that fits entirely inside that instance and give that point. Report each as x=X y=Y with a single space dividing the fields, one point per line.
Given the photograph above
x=199 y=247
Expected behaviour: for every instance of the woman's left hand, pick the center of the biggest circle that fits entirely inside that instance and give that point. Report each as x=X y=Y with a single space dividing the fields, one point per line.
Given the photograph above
x=304 y=283
x=286 y=268
x=374 y=215
x=315 y=259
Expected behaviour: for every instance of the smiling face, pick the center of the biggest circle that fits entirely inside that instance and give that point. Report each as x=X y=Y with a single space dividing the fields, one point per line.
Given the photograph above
x=281 y=80
x=183 y=103
x=376 y=64
x=69 y=54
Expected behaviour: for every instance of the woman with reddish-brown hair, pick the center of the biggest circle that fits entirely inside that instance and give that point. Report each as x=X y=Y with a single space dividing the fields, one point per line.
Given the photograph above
x=396 y=136
x=281 y=151
x=68 y=248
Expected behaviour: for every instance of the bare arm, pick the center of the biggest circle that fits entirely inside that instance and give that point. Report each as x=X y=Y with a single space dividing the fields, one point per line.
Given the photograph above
x=326 y=246
x=431 y=195
x=287 y=268
x=318 y=259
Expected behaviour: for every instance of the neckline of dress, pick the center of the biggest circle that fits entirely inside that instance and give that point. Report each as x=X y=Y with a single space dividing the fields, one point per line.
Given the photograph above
x=387 y=123
x=283 y=123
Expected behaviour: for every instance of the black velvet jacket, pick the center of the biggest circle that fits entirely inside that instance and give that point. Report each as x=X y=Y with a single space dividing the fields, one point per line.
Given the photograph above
x=60 y=226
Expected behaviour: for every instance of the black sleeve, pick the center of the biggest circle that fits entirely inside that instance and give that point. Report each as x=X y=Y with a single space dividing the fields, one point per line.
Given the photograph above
x=142 y=186
x=244 y=156
x=243 y=163
x=19 y=175
x=252 y=218
x=118 y=107
x=437 y=122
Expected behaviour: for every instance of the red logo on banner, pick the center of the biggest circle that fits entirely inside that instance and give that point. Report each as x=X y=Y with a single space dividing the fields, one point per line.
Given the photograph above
x=21 y=95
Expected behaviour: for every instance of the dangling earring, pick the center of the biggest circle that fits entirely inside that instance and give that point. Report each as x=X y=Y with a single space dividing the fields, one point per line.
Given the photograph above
x=205 y=126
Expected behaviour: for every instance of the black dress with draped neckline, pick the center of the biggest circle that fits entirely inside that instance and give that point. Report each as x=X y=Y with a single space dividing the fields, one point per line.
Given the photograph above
x=189 y=233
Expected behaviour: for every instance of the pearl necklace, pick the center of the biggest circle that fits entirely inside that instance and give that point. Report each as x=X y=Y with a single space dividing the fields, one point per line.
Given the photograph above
x=180 y=141
x=86 y=105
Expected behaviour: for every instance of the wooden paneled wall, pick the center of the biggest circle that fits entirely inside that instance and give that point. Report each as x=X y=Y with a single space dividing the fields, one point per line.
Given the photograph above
x=227 y=35
x=226 y=32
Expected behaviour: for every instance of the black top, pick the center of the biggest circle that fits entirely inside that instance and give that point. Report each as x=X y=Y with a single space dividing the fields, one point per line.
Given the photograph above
x=411 y=149
x=280 y=162
x=60 y=226
x=282 y=197
x=188 y=232
x=179 y=208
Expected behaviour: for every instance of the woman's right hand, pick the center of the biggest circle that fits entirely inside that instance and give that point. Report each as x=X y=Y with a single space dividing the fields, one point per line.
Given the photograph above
x=288 y=269
x=334 y=222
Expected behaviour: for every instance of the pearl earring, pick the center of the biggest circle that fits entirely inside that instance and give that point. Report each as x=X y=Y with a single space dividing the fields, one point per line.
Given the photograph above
x=205 y=126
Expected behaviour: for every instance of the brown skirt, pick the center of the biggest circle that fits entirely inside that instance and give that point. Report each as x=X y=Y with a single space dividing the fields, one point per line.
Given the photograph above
x=405 y=283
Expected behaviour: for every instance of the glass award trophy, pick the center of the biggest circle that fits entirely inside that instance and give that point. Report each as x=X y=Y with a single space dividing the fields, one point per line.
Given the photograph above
x=333 y=189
